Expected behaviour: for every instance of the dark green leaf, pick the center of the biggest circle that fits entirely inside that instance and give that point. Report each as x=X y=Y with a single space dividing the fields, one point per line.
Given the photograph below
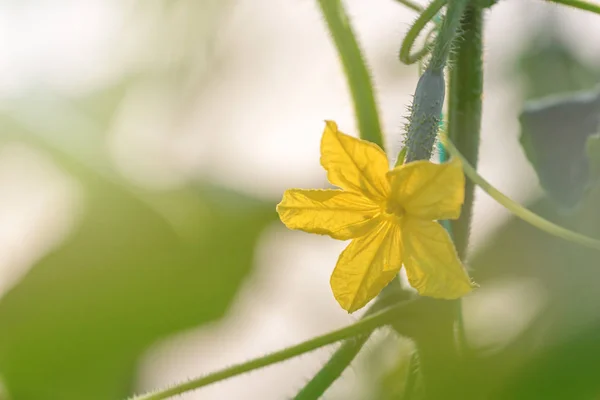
x=554 y=134
x=548 y=66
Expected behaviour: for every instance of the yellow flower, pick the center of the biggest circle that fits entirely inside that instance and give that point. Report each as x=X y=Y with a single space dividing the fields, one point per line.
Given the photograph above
x=390 y=217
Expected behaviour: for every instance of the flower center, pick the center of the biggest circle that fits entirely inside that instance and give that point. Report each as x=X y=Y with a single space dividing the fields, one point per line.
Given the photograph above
x=393 y=210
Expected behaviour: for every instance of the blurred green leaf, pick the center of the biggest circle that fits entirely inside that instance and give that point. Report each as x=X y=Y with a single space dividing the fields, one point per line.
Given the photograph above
x=554 y=135
x=550 y=66
x=554 y=130
x=138 y=267
x=567 y=370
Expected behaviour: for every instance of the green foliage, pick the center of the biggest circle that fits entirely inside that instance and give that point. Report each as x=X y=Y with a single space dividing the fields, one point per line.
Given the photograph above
x=554 y=136
x=565 y=370
x=562 y=113
x=137 y=267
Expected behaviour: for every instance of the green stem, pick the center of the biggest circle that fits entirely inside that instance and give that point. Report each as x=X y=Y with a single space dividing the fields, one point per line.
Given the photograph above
x=447 y=34
x=412 y=5
x=411 y=377
x=356 y=71
x=439 y=361
x=581 y=4
x=427 y=46
x=341 y=359
x=465 y=89
x=333 y=369
x=435 y=339
x=361 y=327
x=415 y=30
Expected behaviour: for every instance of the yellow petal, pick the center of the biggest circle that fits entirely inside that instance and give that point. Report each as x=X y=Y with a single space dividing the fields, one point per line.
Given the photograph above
x=341 y=215
x=353 y=164
x=427 y=190
x=366 y=266
x=431 y=262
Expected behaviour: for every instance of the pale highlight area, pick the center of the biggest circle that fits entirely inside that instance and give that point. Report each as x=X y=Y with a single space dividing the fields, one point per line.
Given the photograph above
x=39 y=206
x=150 y=138
x=498 y=312
x=60 y=44
x=282 y=80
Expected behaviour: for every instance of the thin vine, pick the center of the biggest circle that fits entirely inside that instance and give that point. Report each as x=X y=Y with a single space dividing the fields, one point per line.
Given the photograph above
x=365 y=325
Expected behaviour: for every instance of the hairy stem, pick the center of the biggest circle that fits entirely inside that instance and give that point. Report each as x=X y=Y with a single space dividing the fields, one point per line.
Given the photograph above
x=361 y=327
x=447 y=34
x=438 y=355
x=346 y=353
x=333 y=369
x=415 y=30
x=411 y=377
x=435 y=337
x=465 y=89
x=356 y=71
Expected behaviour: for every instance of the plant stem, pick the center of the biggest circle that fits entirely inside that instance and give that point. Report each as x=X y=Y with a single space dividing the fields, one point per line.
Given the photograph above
x=447 y=34
x=435 y=337
x=465 y=89
x=412 y=5
x=356 y=71
x=439 y=359
x=345 y=354
x=333 y=369
x=361 y=327
x=581 y=4
x=411 y=377
x=415 y=30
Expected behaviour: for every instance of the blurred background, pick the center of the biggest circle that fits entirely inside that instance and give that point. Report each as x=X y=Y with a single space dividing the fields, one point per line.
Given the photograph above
x=144 y=145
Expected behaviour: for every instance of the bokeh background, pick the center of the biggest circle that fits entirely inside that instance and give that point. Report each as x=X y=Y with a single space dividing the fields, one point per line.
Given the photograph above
x=144 y=145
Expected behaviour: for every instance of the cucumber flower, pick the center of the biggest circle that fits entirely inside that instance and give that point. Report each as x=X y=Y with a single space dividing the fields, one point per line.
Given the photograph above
x=390 y=217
